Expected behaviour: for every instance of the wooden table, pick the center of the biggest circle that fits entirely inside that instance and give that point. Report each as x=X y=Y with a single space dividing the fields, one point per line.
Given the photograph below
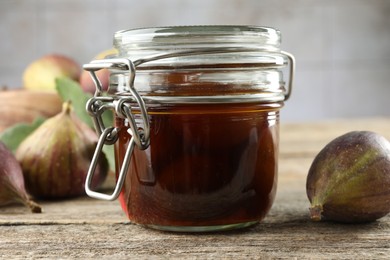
x=89 y=228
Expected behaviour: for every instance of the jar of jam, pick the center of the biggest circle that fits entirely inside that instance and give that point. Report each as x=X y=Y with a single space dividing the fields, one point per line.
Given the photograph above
x=196 y=124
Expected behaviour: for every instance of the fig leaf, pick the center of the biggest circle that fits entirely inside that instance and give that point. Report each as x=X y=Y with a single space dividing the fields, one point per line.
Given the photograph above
x=15 y=134
x=70 y=90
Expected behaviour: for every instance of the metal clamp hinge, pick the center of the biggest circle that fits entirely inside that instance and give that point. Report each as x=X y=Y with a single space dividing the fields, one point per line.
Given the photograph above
x=98 y=104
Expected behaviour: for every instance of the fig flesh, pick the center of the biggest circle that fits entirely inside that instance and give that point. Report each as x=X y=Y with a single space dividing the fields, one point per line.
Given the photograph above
x=12 y=188
x=349 y=180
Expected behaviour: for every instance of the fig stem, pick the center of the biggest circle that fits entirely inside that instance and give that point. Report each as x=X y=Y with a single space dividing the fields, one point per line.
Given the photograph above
x=315 y=212
x=34 y=207
x=67 y=107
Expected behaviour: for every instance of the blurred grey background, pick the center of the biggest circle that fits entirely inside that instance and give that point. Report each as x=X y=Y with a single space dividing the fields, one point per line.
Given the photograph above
x=342 y=47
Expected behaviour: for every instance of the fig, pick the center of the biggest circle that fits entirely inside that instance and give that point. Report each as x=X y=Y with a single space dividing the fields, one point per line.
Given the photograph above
x=103 y=75
x=41 y=73
x=349 y=180
x=24 y=106
x=12 y=189
x=55 y=158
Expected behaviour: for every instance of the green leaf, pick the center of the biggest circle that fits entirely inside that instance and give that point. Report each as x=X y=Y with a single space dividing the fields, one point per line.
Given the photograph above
x=14 y=135
x=108 y=150
x=71 y=90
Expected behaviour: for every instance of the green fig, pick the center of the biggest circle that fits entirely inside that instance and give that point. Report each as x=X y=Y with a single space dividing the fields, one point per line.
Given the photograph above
x=55 y=158
x=349 y=180
x=12 y=189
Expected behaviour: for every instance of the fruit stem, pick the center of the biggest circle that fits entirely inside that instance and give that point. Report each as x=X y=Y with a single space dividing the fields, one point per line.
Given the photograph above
x=67 y=107
x=315 y=212
x=35 y=207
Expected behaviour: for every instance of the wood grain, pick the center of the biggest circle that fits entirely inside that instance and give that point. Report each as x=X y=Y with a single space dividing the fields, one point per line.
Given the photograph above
x=87 y=228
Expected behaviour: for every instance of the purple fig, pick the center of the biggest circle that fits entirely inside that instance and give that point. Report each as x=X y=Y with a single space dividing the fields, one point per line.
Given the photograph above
x=55 y=158
x=349 y=180
x=12 y=188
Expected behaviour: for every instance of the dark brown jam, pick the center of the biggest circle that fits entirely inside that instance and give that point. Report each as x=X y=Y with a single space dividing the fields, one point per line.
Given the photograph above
x=207 y=165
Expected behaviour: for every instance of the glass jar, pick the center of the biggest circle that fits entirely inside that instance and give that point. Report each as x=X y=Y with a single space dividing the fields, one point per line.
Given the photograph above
x=196 y=124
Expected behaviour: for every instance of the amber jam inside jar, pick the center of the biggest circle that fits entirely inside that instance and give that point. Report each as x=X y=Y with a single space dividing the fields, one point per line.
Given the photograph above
x=211 y=97
x=206 y=166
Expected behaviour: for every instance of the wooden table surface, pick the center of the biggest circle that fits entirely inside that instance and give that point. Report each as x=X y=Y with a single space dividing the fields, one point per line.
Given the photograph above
x=87 y=228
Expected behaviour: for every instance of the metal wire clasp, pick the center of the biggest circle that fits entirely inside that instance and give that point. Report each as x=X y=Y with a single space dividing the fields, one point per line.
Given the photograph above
x=98 y=104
